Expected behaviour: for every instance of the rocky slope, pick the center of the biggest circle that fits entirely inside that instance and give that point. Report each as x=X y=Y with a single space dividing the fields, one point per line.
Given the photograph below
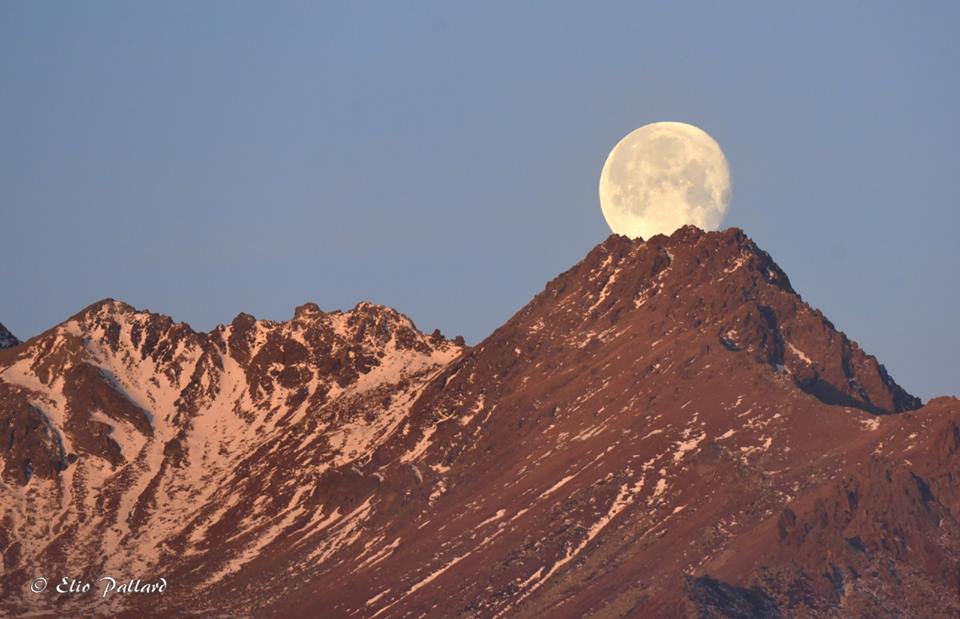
x=666 y=430
x=133 y=442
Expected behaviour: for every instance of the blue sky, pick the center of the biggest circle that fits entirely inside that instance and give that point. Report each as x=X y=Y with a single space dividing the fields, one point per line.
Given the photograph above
x=202 y=159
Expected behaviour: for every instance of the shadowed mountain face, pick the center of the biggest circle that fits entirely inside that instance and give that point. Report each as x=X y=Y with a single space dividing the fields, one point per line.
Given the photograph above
x=666 y=430
x=7 y=339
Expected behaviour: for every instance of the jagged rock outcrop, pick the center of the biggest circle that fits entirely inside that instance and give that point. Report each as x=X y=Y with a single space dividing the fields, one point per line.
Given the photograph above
x=7 y=339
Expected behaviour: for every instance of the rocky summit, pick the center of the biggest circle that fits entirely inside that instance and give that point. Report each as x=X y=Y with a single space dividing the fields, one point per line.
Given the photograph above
x=7 y=339
x=666 y=430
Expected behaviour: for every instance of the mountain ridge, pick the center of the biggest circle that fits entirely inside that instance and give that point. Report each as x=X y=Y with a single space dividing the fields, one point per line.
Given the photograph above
x=567 y=464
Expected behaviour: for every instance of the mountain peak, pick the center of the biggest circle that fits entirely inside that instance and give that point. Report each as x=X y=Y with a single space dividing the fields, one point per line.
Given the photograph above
x=106 y=306
x=7 y=339
x=721 y=290
x=727 y=250
x=307 y=310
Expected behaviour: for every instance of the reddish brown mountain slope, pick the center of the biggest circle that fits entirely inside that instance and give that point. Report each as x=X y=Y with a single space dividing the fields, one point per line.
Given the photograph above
x=666 y=430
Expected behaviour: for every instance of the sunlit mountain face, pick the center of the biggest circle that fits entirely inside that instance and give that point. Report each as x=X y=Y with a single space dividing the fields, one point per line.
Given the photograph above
x=667 y=429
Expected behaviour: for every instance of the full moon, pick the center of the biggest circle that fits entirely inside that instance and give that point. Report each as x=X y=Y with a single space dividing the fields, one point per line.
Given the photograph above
x=663 y=176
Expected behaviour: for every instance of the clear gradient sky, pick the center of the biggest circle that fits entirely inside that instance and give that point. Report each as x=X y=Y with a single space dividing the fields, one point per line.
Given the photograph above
x=205 y=158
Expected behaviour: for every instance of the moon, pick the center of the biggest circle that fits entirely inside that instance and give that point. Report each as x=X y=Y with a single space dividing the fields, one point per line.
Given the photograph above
x=663 y=176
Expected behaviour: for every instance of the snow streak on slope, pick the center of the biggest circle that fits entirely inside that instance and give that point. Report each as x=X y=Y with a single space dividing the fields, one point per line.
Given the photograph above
x=162 y=431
